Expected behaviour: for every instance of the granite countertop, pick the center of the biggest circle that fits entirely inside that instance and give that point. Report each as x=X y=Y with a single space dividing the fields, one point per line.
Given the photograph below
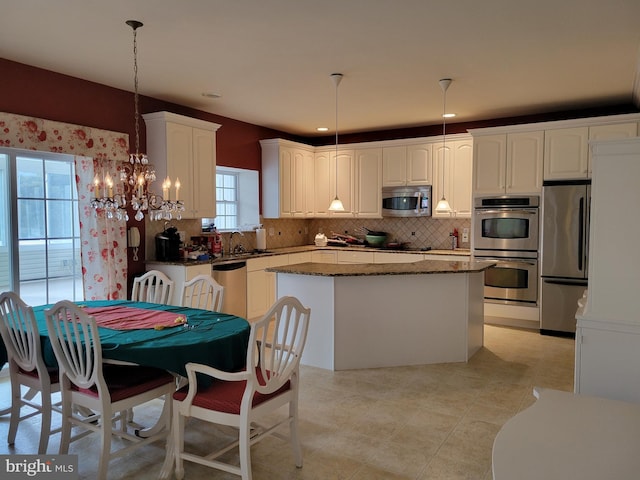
x=297 y=249
x=365 y=269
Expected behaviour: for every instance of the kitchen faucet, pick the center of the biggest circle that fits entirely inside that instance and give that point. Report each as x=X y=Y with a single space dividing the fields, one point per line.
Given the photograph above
x=238 y=248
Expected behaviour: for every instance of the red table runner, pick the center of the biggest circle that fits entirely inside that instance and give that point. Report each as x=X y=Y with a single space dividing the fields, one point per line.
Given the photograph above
x=130 y=318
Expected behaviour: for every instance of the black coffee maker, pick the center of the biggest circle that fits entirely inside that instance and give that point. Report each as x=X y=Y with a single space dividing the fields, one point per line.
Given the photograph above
x=168 y=245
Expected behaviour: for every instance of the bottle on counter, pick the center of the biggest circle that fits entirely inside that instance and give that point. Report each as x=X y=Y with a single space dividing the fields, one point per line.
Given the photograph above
x=454 y=239
x=261 y=238
x=217 y=243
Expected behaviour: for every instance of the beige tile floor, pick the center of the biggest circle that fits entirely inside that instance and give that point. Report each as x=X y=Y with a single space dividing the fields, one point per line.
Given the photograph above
x=419 y=422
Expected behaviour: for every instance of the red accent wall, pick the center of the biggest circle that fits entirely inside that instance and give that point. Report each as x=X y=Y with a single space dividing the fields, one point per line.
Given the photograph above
x=31 y=91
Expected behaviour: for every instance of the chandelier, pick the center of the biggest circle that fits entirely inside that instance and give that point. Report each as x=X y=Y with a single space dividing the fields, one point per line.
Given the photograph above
x=136 y=175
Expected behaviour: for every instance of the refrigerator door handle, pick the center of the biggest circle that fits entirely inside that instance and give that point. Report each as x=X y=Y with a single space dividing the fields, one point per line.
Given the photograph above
x=565 y=282
x=581 y=236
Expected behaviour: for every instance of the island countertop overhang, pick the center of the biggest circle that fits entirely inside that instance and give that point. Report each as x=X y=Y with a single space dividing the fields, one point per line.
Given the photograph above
x=423 y=267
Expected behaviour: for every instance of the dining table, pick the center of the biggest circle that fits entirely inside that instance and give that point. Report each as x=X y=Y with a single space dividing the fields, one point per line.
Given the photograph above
x=161 y=336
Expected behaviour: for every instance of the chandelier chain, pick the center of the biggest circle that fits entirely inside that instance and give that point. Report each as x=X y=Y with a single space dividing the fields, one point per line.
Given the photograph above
x=135 y=89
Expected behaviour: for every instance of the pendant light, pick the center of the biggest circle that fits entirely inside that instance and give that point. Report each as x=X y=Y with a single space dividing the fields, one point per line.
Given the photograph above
x=336 y=204
x=443 y=206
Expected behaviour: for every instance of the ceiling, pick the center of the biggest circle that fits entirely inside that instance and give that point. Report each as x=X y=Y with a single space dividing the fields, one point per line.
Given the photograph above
x=271 y=60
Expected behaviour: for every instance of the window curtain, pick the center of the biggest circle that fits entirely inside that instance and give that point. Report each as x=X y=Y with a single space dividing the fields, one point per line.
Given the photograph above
x=103 y=242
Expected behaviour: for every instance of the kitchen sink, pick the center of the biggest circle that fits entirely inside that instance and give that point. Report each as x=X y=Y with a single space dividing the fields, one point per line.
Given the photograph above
x=252 y=253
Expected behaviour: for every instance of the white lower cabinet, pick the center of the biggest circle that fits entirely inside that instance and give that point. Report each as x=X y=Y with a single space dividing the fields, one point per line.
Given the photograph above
x=607 y=359
x=301 y=257
x=261 y=285
x=390 y=257
x=447 y=257
x=324 y=256
x=349 y=256
x=180 y=274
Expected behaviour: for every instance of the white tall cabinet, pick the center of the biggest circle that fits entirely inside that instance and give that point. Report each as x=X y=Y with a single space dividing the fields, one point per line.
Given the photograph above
x=184 y=148
x=608 y=322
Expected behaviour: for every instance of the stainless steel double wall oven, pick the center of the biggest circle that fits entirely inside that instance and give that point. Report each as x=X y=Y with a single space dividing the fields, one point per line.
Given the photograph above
x=506 y=232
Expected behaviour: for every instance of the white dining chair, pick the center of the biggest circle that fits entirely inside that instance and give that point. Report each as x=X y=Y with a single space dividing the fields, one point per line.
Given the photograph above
x=202 y=292
x=240 y=399
x=21 y=338
x=110 y=390
x=154 y=287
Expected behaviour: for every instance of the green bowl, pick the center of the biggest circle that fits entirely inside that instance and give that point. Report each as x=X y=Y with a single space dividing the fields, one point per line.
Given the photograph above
x=376 y=240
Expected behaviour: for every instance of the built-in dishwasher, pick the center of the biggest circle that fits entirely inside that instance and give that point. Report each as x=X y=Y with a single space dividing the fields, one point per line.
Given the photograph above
x=233 y=277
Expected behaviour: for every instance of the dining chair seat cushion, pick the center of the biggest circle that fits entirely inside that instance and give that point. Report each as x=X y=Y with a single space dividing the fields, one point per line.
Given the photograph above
x=125 y=381
x=226 y=396
x=53 y=374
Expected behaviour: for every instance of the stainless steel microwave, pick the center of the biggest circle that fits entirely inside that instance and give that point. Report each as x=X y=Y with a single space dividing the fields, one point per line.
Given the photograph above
x=409 y=201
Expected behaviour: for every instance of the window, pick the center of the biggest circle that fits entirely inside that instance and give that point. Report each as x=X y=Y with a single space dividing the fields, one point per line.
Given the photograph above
x=226 y=201
x=237 y=196
x=40 y=233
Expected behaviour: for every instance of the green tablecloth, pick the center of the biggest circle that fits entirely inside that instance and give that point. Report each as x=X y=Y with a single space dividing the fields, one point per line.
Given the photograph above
x=3 y=354
x=214 y=339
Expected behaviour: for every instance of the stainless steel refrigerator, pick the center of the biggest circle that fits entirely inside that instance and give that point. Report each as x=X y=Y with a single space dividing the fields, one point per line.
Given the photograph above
x=564 y=269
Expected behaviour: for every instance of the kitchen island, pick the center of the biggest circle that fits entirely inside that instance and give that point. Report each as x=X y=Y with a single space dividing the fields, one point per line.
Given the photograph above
x=388 y=314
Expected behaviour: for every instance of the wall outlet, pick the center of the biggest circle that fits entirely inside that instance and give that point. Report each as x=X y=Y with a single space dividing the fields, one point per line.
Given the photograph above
x=271 y=232
x=465 y=235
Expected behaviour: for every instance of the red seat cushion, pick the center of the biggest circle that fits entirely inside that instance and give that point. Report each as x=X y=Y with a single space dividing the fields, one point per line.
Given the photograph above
x=225 y=396
x=126 y=381
x=53 y=374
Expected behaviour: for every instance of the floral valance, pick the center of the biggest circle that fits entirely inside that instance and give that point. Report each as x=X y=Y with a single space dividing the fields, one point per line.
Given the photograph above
x=102 y=242
x=18 y=131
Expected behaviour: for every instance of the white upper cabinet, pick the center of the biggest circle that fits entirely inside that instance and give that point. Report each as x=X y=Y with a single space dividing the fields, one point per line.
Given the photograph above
x=567 y=154
x=461 y=180
x=508 y=163
x=343 y=180
x=616 y=131
x=525 y=155
x=489 y=164
x=394 y=166
x=419 y=164
x=323 y=188
x=407 y=165
x=368 y=182
x=287 y=179
x=334 y=174
x=184 y=148
x=453 y=170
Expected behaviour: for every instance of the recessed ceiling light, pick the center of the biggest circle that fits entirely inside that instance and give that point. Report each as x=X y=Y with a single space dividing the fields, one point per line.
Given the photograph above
x=211 y=95
x=449 y=115
x=322 y=129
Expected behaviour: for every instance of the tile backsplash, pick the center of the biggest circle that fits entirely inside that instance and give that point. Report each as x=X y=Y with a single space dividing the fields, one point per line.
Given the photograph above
x=419 y=232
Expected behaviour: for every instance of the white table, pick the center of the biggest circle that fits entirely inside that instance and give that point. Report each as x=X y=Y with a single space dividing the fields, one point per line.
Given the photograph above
x=567 y=436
